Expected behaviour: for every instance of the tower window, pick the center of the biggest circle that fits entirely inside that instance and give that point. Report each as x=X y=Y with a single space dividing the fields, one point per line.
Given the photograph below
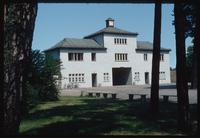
x=120 y=41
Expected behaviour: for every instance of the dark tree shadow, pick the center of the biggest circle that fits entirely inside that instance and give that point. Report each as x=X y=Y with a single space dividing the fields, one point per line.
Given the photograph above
x=168 y=86
x=99 y=116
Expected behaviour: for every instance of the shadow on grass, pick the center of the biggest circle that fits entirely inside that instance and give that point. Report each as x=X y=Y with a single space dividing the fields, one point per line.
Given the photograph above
x=106 y=116
x=168 y=86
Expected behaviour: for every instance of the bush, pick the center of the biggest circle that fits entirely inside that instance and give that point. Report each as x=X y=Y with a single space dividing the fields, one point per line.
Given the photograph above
x=41 y=85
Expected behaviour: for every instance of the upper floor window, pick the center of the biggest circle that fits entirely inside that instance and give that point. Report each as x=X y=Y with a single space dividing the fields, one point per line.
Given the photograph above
x=161 y=57
x=93 y=56
x=121 y=57
x=120 y=41
x=145 y=57
x=75 y=56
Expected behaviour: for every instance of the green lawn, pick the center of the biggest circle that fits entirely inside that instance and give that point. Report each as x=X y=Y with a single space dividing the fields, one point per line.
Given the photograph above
x=84 y=115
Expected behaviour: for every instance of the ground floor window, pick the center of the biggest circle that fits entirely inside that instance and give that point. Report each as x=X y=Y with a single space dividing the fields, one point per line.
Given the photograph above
x=162 y=75
x=77 y=77
x=106 y=76
x=137 y=76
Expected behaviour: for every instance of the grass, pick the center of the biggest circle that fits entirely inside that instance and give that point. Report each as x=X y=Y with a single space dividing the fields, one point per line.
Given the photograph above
x=84 y=115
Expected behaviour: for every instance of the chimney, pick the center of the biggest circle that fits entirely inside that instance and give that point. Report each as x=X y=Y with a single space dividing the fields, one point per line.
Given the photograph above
x=109 y=22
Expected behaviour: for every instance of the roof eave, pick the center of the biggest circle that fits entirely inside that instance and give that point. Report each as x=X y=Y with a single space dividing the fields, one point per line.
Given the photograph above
x=92 y=35
x=162 y=50
x=75 y=48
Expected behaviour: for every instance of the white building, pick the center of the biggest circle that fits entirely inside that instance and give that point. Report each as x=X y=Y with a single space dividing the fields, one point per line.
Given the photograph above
x=108 y=57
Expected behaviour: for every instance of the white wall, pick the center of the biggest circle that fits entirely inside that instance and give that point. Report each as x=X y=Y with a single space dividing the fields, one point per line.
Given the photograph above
x=87 y=66
x=105 y=61
x=146 y=66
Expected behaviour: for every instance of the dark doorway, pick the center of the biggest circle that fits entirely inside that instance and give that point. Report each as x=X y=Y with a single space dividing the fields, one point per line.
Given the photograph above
x=122 y=76
x=94 y=80
x=146 y=77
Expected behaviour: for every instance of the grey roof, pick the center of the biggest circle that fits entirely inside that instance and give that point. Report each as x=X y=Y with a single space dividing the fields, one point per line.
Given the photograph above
x=148 y=46
x=111 y=30
x=73 y=43
x=110 y=19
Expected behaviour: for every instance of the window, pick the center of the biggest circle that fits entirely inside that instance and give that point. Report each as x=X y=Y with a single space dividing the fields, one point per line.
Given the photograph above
x=115 y=41
x=75 y=56
x=145 y=57
x=162 y=75
x=125 y=41
x=161 y=57
x=120 y=41
x=93 y=56
x=106 y=77
x=121 y=57
x=137 y=76
x=76 y=77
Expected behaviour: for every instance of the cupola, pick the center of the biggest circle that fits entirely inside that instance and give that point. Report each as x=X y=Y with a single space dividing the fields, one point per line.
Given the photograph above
x=109 y=22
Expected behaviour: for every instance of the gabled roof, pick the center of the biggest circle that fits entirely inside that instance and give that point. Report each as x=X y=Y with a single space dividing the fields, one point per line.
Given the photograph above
x=73 y=43
x=111 y=30
x=148 y=46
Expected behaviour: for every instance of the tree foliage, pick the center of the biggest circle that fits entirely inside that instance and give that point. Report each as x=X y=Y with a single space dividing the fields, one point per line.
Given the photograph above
x=42 y=83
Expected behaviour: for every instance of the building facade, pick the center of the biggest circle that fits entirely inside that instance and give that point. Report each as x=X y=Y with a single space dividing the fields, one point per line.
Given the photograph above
x=110 y=56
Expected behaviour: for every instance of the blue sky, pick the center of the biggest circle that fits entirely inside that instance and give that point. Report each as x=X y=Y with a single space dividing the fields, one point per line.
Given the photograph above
x=57 y=21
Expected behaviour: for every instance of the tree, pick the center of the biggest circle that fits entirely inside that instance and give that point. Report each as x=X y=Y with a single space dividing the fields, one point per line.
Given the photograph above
x=189 y=60
x=182 y=88
x=18 y=26
x=2 y=11
x=154 y=101
x=197 y=51
x=190 y=24
x=44 y=68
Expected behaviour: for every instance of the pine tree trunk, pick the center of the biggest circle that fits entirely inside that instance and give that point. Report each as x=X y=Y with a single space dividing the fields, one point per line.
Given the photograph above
x=194 y=68
x=2 y=10
x=182 y=87
x=154 y=101
x=197 y=48
x=18 y=27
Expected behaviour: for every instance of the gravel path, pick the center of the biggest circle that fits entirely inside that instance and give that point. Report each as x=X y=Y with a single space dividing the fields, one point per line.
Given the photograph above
x=122 y=91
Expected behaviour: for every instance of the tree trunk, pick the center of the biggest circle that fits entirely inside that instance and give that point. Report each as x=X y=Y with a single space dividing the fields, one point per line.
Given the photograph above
x=154 y=101
x=18 y=27
x=194 y=68
x=182 y=87
x=2 y=10
x=197 y=48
